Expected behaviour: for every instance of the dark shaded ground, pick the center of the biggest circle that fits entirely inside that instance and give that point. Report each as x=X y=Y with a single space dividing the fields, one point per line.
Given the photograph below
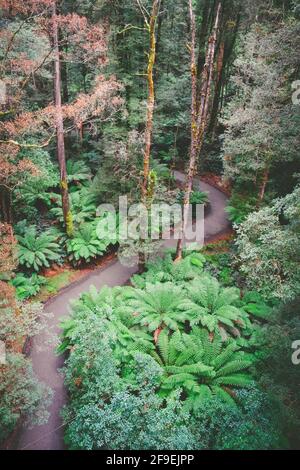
x=46 y=363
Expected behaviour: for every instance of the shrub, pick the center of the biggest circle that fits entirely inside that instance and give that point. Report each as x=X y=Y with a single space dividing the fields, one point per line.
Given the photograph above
x=240 y=206
x=21 y=395
x=82 y=206
x=252 y=426
x=86 y=245
x=115 y=416
x=268 y=249
x=197 y=197
x=27 y=287
x=214 y=307
x=38 y=250
x=202 y=368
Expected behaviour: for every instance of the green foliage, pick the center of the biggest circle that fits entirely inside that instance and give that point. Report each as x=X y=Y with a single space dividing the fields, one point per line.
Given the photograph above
x=254 y=304
x=268 y=249
x=37 y=190
x=78 y=172
x=38 y=250
x=21 y=395
x=220 y=265
x=276 y=371
x=158 y=306
x=215 y=308
x=260 y=142
x=82 y=206
x=165 y=270
x=240 y=206
x=201 y=367
x=120 y=170
x=85 y=244
x=251 y=426
x=27 y=287
x=197 y=197
x=128 y=386
x=109 y=414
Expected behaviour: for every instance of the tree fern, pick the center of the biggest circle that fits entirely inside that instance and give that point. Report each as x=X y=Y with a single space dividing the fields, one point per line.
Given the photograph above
x=82 y=206
x=78 y=171
x=85 y=244
x=165 y=270
x=158 y=306
x=213 y=307
x=202 y=367
x=37 y=251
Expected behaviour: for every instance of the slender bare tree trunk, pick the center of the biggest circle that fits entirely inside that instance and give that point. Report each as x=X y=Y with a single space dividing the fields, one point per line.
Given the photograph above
x=60 y=128
x=193 y=151
x=151 y=95
x=204 y=31
x=199 y=113
x=263 y=186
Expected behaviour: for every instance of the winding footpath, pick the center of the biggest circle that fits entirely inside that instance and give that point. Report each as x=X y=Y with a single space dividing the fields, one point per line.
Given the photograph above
x=46 y=363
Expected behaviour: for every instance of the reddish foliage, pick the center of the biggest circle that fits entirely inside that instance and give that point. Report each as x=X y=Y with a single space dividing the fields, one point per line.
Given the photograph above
x=21 y=7
x=97 y=104
x=13 y=172
x=87 y=43
x=7 y=250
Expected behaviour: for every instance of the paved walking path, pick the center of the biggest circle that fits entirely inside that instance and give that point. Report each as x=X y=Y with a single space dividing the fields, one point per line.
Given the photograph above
x=46 y=363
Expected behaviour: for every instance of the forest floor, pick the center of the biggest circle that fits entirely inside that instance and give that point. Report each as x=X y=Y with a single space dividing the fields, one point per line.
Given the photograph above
x=46 y=363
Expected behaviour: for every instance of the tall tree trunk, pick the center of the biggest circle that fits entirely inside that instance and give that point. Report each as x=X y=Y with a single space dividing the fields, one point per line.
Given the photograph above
x=224 y=56
x=68 y=220
x=5 y=205
x=217 y=88
x=159 y=36
x=263 y=186
x=199 y=113
x=204 y=31
x=151 y=96
x=63 y=68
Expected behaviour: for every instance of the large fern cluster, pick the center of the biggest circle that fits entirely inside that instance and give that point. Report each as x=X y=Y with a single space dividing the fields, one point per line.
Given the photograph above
x=195 y=331
x=173 y=295
x=201 y=366
x=107 y=309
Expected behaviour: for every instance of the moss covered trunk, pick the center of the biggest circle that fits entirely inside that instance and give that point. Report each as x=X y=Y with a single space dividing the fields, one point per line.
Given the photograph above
x=59 y=123
x=151 y=96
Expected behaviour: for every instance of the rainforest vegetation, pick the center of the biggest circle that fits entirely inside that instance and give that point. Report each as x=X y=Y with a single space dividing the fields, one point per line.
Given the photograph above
x=101 y=99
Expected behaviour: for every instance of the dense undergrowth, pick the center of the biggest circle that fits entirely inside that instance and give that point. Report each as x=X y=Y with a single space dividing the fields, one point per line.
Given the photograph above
x=177 y=361
x=195 y=354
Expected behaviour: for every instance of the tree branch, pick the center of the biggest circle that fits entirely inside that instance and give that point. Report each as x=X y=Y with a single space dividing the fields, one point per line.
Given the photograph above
x=23 y=145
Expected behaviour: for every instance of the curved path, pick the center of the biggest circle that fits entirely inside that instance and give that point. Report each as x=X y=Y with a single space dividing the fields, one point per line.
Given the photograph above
x=46 y=363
